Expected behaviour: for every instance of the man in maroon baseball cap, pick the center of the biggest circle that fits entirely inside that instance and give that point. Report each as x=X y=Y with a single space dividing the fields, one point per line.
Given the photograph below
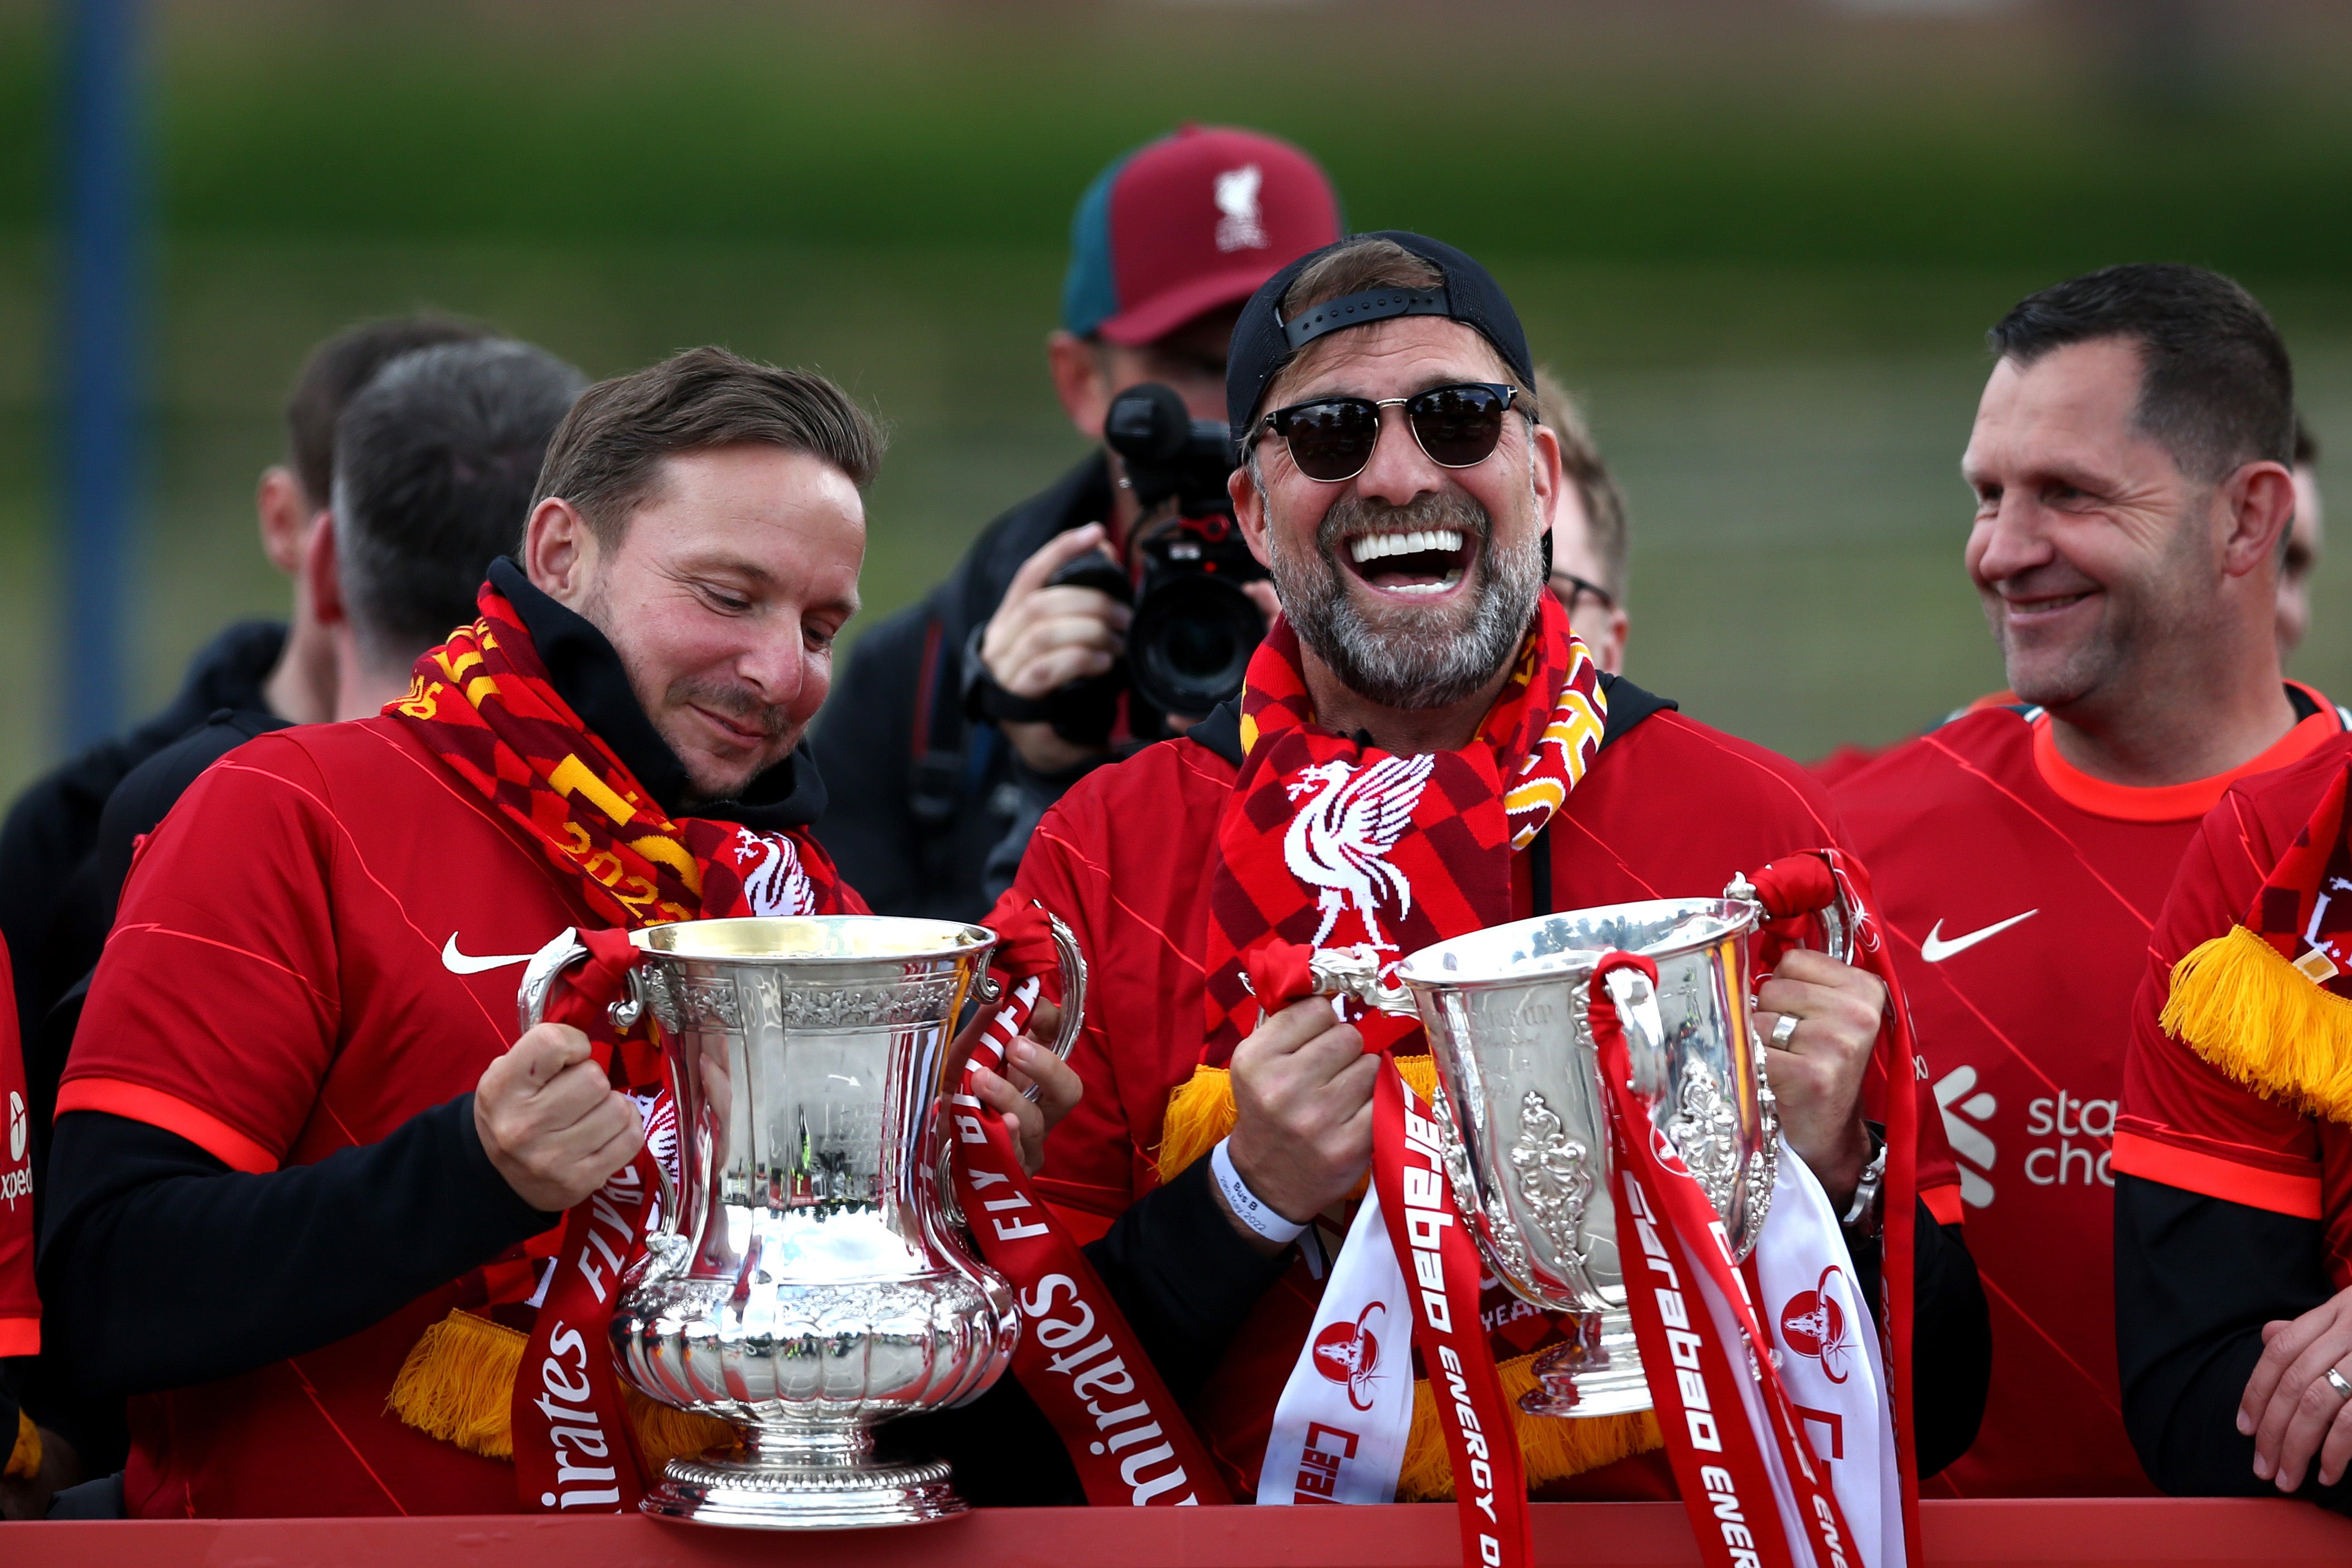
x=1167 y=243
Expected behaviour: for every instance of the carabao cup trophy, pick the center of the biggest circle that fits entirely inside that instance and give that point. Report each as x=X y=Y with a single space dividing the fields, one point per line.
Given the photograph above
x=1522 y=1117
x=803 y=1282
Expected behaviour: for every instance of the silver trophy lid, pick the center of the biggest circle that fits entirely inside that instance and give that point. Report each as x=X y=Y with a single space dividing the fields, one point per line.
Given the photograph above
x=1571 y=942
x=814 y=938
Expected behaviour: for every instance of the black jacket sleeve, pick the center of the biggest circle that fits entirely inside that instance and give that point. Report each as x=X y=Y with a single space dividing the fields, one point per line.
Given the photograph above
x=2196 y=1279
x=161 y=1266
x=866 y=735
x=1951 y=1338
x=1183 y=1276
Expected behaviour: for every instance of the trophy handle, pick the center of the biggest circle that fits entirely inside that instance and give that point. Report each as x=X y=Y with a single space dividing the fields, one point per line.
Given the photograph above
x=1835 y=911
x=1074 y=992
x=1074 y=988
x=1356 y=972
x=546 y=989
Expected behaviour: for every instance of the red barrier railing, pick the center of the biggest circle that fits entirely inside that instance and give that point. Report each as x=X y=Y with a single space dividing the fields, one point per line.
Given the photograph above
x=2010 y=1534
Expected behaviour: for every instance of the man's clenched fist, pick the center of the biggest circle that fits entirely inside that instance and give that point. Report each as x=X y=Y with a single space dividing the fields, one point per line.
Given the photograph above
x=551 y=1123
x=1302 y=1134
x=1816 y=1073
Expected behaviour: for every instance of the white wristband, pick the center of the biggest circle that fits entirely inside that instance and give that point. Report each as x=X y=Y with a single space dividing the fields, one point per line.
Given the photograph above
x=1247 y=1207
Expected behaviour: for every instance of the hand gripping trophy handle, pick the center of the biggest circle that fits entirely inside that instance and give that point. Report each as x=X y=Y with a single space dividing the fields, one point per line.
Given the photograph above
x=1802 y=885
x=1073 y=965
x=610 y=985
x=1355 y=971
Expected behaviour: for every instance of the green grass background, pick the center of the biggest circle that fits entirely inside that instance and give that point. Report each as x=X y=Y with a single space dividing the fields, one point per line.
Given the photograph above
x=1763 y=237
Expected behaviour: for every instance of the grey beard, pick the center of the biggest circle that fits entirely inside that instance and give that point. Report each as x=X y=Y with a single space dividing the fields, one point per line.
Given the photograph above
x=1421 y=659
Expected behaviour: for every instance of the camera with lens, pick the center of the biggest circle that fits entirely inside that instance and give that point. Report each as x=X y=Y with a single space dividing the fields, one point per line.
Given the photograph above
x=1194 y=629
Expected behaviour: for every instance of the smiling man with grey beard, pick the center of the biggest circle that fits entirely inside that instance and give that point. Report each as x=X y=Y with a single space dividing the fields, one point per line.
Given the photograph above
x=1413 y=657
x=1399 y=490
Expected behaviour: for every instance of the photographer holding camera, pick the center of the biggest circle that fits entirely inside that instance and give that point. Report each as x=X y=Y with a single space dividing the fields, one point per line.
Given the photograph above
x=958 y=721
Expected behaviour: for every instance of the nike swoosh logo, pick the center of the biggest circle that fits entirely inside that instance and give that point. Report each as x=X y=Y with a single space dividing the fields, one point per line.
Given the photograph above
x=456 y=962
x=1935 y=950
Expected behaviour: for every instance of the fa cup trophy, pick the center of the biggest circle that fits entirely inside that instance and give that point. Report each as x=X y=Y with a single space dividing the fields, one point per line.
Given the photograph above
x=1522 y=1115
x=803 y=1282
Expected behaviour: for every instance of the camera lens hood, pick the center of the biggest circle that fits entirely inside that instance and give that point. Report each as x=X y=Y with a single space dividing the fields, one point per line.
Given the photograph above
x=1190 y=642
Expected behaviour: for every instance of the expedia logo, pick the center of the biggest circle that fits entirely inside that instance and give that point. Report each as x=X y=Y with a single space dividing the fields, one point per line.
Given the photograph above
x=1348 y=1355
x=1964 y=1112
x=17 y=1183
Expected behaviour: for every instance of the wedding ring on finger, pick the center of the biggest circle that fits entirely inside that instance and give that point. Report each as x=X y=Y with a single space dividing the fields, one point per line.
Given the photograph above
x=1785 y=1030
x=2343 y=1389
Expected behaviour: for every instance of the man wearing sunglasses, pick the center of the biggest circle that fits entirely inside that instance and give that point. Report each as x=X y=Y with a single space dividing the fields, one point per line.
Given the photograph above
x=1362 y=790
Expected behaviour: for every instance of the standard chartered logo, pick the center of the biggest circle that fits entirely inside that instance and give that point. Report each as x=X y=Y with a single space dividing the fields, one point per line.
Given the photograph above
x=1965 y=1108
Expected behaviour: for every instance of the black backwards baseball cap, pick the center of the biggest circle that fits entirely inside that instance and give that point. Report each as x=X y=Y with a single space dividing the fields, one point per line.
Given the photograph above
x=1264 y=342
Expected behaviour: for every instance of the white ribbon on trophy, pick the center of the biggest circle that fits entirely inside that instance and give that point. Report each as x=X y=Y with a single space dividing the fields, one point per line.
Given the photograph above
x=1830 y=1359
x=1347 y=1409
x=1340 y=1427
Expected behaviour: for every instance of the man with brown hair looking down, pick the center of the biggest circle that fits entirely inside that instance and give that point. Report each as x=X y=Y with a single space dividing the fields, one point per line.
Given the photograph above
x=1398 y=486
x=299 y=1148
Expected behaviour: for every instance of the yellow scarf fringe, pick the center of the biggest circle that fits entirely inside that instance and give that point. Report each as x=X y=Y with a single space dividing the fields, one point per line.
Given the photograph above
x=1553 y=1449
x=25 y=1457
x=2241 y=1006
x=1201 y=1111
x=458 y=1384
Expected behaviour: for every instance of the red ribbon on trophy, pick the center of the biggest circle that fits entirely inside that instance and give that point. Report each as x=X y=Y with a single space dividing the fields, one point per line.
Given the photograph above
x=1442 y=1272
x=1076 y=1358
x=574 y=1446
x=1719 y=1401
x=1829 y=880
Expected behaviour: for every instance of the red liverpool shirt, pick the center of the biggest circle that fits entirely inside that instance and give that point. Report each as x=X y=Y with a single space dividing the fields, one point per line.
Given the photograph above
x=1670 y=809
x=2020 y=893
x=322 y=940
x=20 y=1305
x=2185 y=1122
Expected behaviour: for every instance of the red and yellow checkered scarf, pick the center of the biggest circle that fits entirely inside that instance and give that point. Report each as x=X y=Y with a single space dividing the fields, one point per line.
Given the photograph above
x=1333 y=844
x=483 y=703
x=2270 y=1001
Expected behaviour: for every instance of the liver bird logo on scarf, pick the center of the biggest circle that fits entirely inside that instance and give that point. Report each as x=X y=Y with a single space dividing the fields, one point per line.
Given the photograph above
x=1334 y=843
x=774 y=882
x=1340 y=840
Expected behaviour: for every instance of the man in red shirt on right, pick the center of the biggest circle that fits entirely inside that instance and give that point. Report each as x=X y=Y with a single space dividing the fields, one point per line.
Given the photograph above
x=2131 y=462
x=2233 y=1212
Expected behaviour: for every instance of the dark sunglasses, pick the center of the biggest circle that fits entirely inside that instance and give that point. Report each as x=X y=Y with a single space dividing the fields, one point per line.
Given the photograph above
x=1332 y=439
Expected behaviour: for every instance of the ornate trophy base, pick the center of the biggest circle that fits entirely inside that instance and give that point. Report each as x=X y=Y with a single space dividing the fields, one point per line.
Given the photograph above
x=789 y=1486
x=1597 y=1372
